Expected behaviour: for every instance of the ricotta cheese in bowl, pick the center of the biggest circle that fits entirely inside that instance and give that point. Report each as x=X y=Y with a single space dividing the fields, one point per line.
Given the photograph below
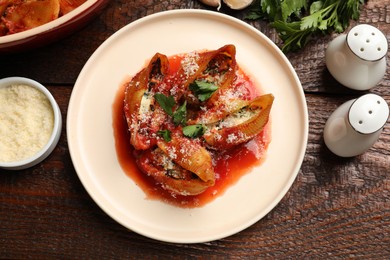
x=30 y=123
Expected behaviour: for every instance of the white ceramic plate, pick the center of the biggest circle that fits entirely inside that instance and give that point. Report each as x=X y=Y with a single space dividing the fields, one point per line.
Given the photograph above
x=91 y=140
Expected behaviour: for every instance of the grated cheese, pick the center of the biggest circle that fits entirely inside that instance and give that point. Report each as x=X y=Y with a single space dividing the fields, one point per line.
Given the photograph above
x=189 y=63
x=26 y=122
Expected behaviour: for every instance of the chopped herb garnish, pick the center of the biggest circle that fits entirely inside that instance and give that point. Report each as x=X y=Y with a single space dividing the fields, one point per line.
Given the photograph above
x=166 y=135
x=179 y=117
x=165 y=102
x=203 y=89
x=193 y=131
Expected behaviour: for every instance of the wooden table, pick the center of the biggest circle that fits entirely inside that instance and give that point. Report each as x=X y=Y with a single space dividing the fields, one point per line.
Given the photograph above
x=336 y=208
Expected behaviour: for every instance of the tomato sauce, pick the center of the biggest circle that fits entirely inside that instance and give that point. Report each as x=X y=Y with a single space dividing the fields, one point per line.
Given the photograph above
x=229 y=166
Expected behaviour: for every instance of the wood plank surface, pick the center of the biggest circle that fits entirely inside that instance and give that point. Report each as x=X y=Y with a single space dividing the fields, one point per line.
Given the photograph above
x=337 y=208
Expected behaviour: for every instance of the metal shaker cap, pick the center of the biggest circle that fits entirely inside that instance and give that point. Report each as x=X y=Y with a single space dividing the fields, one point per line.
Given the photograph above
x=368 y=114
x=367 y=42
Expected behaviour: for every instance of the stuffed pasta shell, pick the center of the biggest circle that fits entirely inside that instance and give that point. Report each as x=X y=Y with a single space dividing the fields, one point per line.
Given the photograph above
x=180 y=165
x=212 y=68
x=184 y=114
x=21 y=15
x=144 y=117
x=240 y=126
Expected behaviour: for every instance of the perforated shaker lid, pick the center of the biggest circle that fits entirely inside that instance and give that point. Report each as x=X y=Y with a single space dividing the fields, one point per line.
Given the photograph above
x=368 y=113
x=367 y=42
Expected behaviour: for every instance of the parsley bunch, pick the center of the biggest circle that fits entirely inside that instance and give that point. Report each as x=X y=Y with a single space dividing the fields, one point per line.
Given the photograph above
x=297 y=20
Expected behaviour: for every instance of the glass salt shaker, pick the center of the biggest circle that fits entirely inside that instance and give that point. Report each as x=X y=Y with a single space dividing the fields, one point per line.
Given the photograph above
x=356 y=125
x=358 y=59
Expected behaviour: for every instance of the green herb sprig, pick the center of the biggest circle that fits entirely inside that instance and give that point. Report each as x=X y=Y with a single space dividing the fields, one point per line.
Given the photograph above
x=166 y=135
x=297 y=21
x=194 y=131
x=203 y=89
x=167 y=103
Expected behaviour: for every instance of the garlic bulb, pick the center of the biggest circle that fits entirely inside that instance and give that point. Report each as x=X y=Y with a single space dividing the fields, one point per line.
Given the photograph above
x=238 y=4
x=214 y=3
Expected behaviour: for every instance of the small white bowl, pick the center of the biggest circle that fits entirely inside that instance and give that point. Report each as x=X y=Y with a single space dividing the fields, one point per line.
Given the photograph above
x=57 y=126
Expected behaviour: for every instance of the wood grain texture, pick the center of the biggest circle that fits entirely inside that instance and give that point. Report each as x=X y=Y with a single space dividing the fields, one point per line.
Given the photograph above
x=337 y=207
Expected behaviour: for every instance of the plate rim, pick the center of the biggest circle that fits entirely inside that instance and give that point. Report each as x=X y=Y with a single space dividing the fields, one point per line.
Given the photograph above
x=207 y=14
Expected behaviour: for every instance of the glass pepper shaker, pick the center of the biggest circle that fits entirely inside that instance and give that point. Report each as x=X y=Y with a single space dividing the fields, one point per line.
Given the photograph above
x=356 y=125
x=358 y=59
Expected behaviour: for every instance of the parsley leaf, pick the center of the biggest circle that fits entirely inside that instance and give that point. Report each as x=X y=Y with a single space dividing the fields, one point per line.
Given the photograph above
x=166 y=103
x=272 y=7
x=179 y=117
x=297 y=21
x=289 y=7
x=193 y=131
x=203 y=89
x=292 y=35
x=166 y=135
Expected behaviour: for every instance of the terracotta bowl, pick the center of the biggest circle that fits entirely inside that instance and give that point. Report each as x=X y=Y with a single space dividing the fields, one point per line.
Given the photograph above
x=53 y=30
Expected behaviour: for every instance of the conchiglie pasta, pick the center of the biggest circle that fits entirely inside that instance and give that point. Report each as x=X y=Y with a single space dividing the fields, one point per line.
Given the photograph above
x=184 y=111
x=143 y=116
x=21 y=15
x=241 y=126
